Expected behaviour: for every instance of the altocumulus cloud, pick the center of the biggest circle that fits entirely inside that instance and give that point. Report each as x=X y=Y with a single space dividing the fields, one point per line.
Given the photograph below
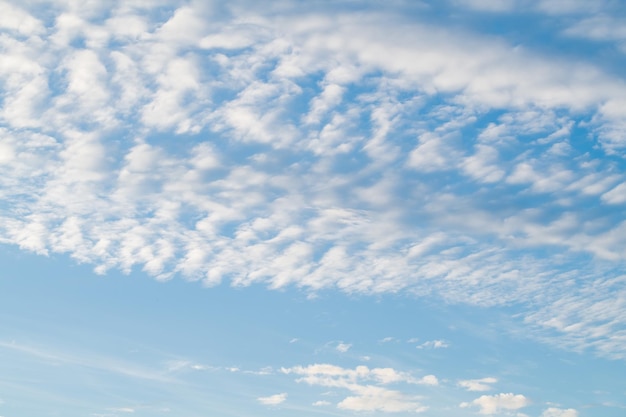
x=367 y=152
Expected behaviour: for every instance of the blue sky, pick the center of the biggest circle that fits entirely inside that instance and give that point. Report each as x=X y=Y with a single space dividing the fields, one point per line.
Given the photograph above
x=312 y=208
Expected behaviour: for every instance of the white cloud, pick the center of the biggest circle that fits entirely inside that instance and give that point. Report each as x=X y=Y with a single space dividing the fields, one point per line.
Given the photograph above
x=87 y=90
x=329 y=98
x=16 y=19
x=483 y=165
x=343 y=347
x=178 y=84
x=127 y=26
x=434 y=344
x=483 y=384
x=558 y=412
x=273 y=399
x=233 y=40
x=367 y=386
x=616 y=196
x=599 y=28
x=321 y=403
x=184 y=28
x=428 y=380
x=493 y=404
x=434 y=154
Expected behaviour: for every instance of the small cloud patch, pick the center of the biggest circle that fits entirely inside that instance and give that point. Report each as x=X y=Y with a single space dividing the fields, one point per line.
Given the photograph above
x=273 y=399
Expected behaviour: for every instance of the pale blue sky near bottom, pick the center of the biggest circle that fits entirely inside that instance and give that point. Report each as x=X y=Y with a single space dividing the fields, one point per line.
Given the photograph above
x=66 y=332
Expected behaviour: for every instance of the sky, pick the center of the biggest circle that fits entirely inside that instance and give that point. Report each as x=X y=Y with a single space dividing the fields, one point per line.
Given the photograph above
x=346 y=208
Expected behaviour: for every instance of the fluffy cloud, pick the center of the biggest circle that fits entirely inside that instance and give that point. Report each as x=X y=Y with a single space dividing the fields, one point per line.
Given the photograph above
x=492 y=404
x=16 y=19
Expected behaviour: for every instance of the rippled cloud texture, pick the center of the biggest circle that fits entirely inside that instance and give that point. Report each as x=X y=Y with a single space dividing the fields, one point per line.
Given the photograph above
x=465 y=151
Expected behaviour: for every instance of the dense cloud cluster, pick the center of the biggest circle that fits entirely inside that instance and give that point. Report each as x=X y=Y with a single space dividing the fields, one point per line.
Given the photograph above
x=363 y=151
